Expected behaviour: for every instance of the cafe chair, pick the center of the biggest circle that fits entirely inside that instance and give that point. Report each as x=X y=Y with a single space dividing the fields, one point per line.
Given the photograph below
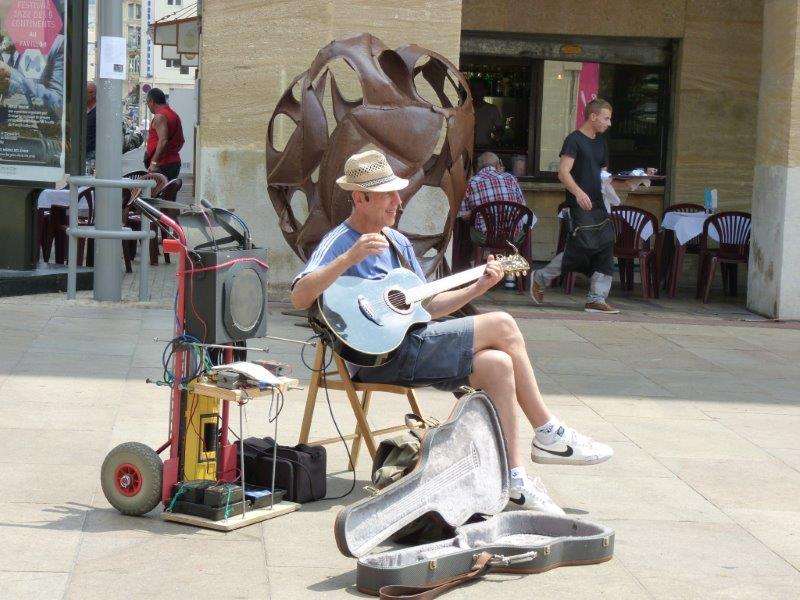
x=59 y=216
x=567 y=280
x=733 y=229
x=330 y=372
x=168 y=192
x=133 y=219
x=674 y=256
x=629 y=223
x=503 y=221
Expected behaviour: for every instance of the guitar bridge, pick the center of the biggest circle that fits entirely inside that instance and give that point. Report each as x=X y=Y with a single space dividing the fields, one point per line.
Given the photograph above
x=366 y=309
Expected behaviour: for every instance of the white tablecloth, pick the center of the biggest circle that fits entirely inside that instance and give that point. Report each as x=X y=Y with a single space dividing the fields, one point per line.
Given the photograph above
x=48 y=198
x=688 y=225
x=645 y=234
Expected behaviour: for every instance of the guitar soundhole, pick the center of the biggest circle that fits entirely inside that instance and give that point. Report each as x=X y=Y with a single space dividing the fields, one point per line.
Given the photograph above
x=396 y=299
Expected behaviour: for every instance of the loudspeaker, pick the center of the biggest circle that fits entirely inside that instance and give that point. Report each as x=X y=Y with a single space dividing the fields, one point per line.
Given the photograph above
x=227 y=299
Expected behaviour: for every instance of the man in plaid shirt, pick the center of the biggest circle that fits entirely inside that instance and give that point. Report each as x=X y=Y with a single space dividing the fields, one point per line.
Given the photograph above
x=489 y=184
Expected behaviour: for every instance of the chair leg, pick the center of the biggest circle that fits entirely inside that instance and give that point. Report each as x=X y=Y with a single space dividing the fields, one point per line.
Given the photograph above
x=126 y=255
x=644 y=276
x=361 y=419
x=412 y=401
x=733 y=279
x=701 y=267
x=656 y=276
x=356 y=447
x=154 y=246
x=677 y=269
x=311 y=398
x=622 y=273
x=712 y=267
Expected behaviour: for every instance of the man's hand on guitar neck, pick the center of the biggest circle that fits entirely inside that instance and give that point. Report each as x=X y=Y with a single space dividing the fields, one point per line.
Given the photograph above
x=448 y=302
x=491 y=276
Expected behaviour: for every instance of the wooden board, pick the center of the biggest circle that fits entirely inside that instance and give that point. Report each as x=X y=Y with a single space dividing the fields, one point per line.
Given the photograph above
x=253 y=516
x=214 y=391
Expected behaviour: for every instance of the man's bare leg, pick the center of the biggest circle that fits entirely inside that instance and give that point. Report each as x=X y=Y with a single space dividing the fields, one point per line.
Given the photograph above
x=499 y=331
x=492 y=371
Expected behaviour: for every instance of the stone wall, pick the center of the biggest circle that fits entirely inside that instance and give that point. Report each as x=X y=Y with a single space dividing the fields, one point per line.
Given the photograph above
x=251 y=51
x=717 y=80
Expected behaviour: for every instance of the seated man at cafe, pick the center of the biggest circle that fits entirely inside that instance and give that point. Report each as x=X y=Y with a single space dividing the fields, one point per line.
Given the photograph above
x=485 y=351
x=490 y=184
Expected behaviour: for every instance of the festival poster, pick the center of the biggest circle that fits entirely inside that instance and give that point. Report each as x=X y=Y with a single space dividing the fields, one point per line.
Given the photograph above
x=588 y=87
x=32 y=90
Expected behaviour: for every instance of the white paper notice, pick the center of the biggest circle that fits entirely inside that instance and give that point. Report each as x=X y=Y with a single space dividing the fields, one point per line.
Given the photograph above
x=112 y=57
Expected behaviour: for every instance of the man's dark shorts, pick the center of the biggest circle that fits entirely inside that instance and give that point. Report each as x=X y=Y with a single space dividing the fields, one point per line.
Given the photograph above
x=436 y=354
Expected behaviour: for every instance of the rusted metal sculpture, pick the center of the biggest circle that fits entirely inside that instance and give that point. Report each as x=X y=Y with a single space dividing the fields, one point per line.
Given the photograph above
x=392 y=116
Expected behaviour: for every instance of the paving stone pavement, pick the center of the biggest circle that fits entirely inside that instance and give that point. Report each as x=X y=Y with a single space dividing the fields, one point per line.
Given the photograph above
x=699 y=402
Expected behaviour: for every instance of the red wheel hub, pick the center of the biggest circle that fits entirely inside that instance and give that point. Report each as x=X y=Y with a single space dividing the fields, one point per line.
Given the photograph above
x=128 y=479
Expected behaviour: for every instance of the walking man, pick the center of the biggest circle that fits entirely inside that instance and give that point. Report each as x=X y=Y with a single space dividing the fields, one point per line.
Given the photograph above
x=165 y=137
x=583 y=156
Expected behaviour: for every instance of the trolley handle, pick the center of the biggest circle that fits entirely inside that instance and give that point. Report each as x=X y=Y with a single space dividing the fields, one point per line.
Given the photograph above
x=151 y=210
x=159 y=216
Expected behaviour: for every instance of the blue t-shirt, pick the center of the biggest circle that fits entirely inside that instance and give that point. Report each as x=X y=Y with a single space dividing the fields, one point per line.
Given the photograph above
x=375 y=266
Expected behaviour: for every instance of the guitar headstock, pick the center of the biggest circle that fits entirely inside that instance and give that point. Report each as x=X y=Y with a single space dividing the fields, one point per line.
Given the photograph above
x=513 y=264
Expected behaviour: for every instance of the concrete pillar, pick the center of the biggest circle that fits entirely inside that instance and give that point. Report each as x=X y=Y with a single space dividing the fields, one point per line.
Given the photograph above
x=773 y=287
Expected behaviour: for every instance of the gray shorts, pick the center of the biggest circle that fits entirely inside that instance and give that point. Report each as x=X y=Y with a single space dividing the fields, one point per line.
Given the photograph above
x=436 y=354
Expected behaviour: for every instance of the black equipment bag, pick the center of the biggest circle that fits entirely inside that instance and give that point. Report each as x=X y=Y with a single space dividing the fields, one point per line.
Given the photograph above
x=300 y=470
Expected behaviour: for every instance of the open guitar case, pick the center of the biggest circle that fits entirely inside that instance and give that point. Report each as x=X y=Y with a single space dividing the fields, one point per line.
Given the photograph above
x=462 y=471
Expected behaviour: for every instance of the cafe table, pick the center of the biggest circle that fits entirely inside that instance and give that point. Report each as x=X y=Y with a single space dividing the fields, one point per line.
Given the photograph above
x=686 y=227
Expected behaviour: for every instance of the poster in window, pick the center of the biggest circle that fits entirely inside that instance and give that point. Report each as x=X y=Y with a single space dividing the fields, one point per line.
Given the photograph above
x=588 y=85
x=32 y=90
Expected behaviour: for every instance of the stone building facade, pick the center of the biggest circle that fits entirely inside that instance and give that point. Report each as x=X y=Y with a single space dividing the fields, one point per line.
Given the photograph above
x=731 y=126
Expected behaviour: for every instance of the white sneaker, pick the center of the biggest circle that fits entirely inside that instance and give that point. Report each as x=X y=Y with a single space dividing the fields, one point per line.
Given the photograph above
x=532 y=495
x=570 y=448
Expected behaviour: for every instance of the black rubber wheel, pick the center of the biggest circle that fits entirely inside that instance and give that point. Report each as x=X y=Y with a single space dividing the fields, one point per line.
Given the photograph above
x=131 y=478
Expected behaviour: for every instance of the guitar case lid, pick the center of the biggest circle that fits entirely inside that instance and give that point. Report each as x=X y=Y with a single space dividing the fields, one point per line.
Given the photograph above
x=462 y=471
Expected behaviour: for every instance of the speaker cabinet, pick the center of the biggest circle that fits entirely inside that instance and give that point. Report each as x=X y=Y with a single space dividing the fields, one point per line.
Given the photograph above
x=227 y=303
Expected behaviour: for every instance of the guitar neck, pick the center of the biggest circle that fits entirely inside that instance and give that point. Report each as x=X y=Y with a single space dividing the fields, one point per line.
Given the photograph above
x=426 y=290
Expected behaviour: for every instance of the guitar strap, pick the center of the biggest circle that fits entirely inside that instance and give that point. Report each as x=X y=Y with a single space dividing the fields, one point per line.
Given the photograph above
x=399 y=253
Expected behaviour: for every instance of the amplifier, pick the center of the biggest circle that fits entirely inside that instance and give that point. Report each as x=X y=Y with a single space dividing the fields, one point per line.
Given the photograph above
x=227 y=301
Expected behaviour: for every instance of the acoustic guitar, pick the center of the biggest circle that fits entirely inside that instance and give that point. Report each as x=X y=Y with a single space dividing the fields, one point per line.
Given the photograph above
x=369 y=318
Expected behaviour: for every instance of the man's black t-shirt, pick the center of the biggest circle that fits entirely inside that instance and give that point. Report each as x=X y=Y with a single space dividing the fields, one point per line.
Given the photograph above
x=590 y=155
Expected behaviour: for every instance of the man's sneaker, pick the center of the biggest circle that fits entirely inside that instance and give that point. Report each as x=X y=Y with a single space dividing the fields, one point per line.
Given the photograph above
x=570 y=448
x=600 y=307
x=532 y=495
x=537 y=291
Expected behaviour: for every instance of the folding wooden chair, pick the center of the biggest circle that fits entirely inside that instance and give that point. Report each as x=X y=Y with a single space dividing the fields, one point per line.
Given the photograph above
x=339 y=379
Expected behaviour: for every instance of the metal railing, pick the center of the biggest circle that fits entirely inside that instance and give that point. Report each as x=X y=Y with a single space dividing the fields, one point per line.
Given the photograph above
x=91 y=231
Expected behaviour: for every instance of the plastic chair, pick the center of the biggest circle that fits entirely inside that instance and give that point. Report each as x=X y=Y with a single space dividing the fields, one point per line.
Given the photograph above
x=629 y=223
x=59 y=216
x=503 y=220
x=675 y=267
x=567 y=280
x=733 y=228
x=132 y=219
x=339 y=379
x=168 y=192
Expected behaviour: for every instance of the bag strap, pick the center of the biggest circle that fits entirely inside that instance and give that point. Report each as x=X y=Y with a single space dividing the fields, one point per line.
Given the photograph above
x=480 y=568
x=400 y=256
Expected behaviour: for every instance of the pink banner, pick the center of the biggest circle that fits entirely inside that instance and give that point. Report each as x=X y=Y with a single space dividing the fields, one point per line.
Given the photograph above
x=588 y=86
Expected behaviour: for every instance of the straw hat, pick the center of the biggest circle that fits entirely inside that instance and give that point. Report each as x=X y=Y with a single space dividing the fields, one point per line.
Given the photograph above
x=370 y=172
